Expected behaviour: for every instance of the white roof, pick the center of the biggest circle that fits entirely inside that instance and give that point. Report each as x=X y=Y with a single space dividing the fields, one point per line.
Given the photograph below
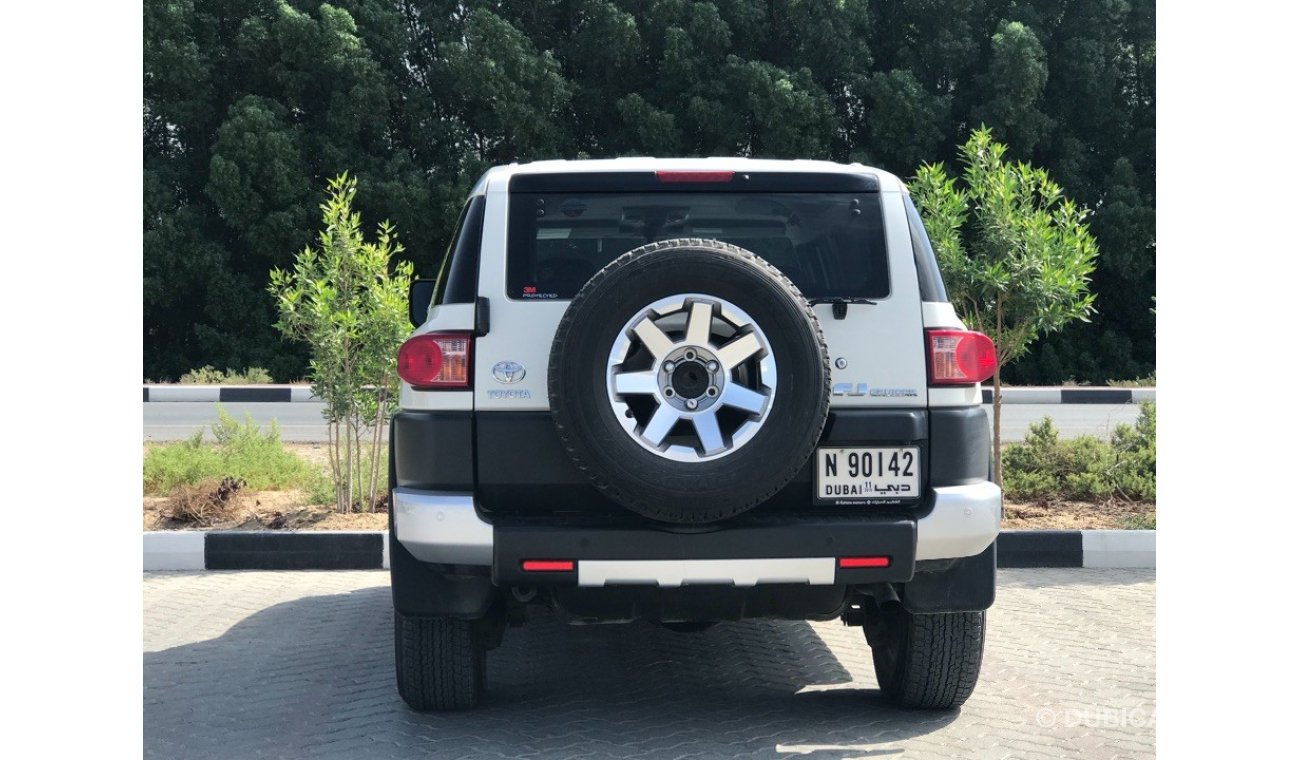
x=498 y=177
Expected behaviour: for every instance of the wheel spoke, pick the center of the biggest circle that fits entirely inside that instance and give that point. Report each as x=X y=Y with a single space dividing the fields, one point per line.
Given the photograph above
x=657 y=428
x=739 y=350
x=706 y=427
x=742 y=398
x=700 y=324
x=635 y=382
x=653 y=338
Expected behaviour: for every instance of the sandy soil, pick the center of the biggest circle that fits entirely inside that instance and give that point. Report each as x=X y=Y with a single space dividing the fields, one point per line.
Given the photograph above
x=1071 y=515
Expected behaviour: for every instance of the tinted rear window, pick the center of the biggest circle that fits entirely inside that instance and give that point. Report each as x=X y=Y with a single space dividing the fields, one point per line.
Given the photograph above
x=829 y=244
x=458 y=275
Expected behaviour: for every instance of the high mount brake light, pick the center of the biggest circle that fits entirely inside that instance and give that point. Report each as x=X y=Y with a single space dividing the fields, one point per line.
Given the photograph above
x=438 y=360
x=694 y=176
x=959 y=357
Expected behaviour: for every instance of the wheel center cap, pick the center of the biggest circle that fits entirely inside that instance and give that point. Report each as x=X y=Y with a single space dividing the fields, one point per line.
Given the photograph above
x=690 y=379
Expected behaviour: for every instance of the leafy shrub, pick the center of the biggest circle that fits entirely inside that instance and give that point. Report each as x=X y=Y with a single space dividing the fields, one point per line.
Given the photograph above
x=1084 y=468
x=1142 y=382
x=347 y=298
x=207 y=375
x=241 y=451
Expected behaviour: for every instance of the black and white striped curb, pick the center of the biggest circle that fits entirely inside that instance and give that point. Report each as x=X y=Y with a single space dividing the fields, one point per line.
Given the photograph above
x=287 y=393
x=368 y=550
x=1072 y=395
x=229 y=393
x=265 y=550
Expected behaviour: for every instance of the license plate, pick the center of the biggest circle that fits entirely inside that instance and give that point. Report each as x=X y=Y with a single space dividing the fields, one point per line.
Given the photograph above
x=856 y=475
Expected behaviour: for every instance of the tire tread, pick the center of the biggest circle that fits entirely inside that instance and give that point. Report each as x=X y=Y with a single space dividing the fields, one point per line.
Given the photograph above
x=439 y=662
x=940 y=663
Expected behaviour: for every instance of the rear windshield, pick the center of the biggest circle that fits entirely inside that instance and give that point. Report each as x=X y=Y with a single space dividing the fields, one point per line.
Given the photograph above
x=829 y=244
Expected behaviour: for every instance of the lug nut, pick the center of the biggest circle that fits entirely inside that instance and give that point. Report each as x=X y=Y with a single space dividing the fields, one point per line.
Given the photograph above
x=669 y=366
x=691 y=403
x=713 y=366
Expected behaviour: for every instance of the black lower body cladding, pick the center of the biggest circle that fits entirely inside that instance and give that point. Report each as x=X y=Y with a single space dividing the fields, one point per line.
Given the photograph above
x=433 y=451
x=748 y=334
x=515 y=465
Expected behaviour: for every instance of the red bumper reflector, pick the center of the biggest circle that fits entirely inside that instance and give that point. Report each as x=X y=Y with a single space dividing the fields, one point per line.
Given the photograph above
x=694 y=176
x=548 y=565
x=849 y=563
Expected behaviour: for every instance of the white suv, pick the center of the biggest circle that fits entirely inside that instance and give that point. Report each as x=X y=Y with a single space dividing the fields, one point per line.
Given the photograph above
x=690 y=391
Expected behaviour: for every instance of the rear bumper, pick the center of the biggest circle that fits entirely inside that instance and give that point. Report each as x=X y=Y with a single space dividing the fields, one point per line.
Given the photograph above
x=444 y=527
x=964 y=521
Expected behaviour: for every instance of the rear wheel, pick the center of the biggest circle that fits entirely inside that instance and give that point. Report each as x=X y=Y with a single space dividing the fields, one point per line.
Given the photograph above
x=929 y=661
x=440 y=662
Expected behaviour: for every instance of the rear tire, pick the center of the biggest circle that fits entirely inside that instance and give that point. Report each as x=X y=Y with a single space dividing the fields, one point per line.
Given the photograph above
x=440 y=662
x=928 y=661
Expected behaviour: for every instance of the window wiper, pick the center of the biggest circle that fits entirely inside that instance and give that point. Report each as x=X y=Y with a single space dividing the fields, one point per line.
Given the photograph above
x=840 y=304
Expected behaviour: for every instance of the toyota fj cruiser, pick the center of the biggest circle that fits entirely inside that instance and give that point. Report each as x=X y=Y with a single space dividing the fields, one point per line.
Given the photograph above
x=690 y=391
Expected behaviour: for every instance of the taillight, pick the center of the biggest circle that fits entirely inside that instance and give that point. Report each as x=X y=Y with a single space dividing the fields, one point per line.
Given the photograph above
x=694 y=176
x=960 y=357
x=436 y=360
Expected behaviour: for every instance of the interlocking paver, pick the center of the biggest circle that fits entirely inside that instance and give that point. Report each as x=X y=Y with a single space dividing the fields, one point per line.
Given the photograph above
x=299 y=665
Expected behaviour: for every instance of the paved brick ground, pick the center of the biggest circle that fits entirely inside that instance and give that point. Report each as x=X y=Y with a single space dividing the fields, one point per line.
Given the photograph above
x=299 y=664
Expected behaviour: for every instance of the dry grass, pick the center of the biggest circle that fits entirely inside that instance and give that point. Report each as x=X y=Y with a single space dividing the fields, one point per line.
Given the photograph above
x=205 y=503
x=1076 y=515
x=261 y=510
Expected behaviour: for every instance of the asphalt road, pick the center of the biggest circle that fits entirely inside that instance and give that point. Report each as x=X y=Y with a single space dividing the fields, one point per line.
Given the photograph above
x=301 y=422
x=300 y=664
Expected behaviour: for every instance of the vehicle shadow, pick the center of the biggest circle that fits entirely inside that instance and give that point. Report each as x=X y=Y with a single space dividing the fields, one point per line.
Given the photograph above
x=314 y=677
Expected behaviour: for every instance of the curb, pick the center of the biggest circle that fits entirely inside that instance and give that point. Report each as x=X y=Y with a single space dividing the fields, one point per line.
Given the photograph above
x=294 y=393
x=270 y=394
x=265 y=550
x=1071 y=395
x=368 y=550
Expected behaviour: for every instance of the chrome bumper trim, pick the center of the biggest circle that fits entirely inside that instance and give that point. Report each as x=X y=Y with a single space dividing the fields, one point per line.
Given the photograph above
x=443 y=527
x=964 y=521
x=672 y=573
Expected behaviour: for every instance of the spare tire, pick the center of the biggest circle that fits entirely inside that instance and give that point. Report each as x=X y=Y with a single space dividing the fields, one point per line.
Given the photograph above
x=689 y=380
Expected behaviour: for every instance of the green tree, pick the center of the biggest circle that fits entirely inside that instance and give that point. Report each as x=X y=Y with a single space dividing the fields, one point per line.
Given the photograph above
x=1013 y=86
x=1015 y=252
x=249 y=105
x=347 y=301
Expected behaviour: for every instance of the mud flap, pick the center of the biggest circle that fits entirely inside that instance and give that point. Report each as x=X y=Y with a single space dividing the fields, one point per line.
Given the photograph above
x=961 y=585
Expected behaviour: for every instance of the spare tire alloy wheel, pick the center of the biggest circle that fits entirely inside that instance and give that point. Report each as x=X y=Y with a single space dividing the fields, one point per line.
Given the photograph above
x=692 y=378
x=689 y=380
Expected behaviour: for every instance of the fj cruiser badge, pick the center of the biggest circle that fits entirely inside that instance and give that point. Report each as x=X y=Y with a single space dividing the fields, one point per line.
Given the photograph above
x=863 y=389
x=508 y=372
